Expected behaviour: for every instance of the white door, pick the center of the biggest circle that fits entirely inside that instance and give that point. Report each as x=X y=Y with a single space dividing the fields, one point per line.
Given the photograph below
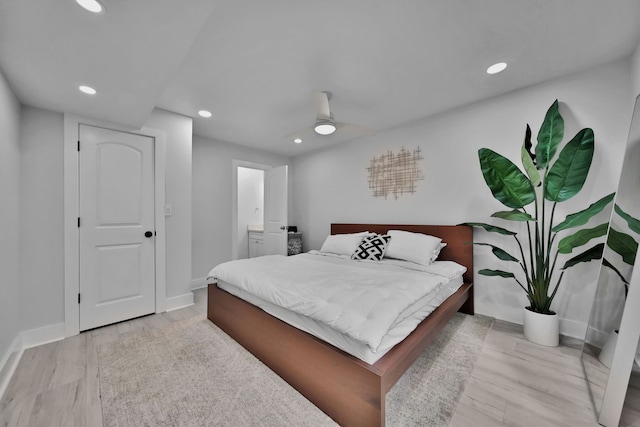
x=116 y=225
x=275 y=211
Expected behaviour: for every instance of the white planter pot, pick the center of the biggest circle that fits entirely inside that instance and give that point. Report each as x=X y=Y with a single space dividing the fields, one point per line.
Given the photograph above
x=606 y=354
x=543 y=329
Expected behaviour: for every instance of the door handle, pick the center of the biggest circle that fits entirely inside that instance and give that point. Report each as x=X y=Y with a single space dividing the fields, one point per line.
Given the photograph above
x=283 y=228
x=148 y=234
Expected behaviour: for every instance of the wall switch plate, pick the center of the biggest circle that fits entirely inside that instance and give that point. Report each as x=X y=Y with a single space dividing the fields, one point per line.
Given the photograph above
x=168 y=211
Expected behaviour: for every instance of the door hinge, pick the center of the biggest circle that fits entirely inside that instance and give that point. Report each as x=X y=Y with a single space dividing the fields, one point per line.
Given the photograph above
x=78 y=298
x=78 y=145
x=78 y=222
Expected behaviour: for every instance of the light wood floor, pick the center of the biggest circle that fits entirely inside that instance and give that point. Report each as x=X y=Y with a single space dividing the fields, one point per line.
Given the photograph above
x=518 y=383
x=514 y=383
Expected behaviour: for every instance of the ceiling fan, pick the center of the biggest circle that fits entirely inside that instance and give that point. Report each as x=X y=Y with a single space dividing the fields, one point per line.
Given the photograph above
x=325 y=124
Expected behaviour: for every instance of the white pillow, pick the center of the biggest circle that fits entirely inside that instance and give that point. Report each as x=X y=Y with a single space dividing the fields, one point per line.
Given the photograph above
x=343 y=244
x=414 y=247
x=436 y=251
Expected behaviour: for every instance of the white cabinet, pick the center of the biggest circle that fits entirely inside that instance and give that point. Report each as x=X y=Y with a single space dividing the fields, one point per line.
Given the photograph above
x=255 y=243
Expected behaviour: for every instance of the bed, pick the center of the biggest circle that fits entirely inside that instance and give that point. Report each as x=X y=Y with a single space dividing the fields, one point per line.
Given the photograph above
x=349 y=390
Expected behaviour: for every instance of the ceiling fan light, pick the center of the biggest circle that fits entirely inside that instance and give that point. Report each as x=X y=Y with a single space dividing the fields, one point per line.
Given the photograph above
x=324 y=127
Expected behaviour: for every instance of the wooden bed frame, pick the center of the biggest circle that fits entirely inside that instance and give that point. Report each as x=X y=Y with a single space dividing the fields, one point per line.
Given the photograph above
x=350 y=391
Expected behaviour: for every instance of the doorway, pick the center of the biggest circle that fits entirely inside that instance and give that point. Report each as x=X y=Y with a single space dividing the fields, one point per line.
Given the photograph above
x=274 y=189
x=250 y=195
x=72 y=208
x=116 y=225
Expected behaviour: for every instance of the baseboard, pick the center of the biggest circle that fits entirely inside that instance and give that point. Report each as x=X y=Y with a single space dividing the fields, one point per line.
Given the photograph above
x=596 y=337
x=199 y=283
x=44 y=335
x=573 y=329
x=568 y=328
x=180 y=301
x=498 y=312
x=9 y=363
x=23 y=341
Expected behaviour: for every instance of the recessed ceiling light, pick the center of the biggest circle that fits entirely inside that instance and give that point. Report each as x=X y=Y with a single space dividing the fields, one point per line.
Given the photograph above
x=205 y=113
x=93 y=6
x=297 y=141
x=87 y=89
x=497 y=68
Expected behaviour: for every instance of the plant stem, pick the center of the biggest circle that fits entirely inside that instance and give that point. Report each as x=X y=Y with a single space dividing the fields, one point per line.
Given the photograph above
x=550 y=240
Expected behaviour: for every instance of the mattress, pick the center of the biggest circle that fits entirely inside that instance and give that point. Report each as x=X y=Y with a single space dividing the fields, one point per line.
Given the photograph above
x=447 y=279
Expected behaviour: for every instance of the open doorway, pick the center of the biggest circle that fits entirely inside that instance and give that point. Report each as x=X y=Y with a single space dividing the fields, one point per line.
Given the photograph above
x=246 y=209
x=245 y=202
x=250 y=224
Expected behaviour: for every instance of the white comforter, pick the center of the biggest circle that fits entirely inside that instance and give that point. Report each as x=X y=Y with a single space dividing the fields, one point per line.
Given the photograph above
x=360 y=299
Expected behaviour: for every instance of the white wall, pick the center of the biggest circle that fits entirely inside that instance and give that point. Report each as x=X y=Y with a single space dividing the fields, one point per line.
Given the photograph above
x=635 y=70
x=250 y=205
x=178 y=131
x=41 y=262
x=41 y=215
x=212 y=182
x=9 y=220
x=331 y=185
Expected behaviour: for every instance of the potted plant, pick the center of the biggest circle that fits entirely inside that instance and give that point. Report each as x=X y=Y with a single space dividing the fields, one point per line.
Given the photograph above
x=532 y=197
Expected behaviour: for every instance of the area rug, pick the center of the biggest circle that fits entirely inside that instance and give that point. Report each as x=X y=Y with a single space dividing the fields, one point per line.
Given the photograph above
x=191 y=373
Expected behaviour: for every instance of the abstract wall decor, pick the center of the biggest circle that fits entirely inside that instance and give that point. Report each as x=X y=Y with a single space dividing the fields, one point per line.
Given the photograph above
x=395 y=173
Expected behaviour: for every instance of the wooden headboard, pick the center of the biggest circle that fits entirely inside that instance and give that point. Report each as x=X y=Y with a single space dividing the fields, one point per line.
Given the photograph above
x=459 y=239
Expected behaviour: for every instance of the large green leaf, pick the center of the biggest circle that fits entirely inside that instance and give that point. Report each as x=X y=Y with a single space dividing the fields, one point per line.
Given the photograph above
x=634 y=224
x=507 y=183
x=528 y=159
x=581 y=237
x=490 y=228
x=586 y=256
x=487 y=272
x=582 y=217
x=568 y=174
x=549 y=137
x=623 y=244
x=514 y=215
x=500 y=253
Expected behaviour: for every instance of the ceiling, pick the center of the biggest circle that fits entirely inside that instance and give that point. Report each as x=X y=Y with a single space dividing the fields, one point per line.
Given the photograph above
x=255 y=64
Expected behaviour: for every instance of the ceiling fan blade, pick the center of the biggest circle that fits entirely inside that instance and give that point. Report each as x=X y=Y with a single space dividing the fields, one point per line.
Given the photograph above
x=321 y=103
x=351 y=128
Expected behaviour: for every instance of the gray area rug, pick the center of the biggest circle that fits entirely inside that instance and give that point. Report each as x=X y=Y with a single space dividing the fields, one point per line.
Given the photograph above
x=192 y=374
x=428 y=393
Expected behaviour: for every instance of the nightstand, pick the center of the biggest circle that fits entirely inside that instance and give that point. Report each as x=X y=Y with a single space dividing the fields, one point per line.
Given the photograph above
x=294 y=243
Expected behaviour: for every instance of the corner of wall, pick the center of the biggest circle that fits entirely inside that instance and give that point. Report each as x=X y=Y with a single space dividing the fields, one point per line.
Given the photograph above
x=25 y=340
x=10 y=221
x=9 y=363
x=180 y=301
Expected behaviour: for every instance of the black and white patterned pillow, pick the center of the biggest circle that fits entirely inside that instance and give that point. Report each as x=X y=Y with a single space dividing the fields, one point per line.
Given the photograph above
x=372 y=247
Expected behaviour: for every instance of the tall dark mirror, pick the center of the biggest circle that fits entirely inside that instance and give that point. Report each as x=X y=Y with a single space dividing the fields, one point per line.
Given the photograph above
x=610 y=354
